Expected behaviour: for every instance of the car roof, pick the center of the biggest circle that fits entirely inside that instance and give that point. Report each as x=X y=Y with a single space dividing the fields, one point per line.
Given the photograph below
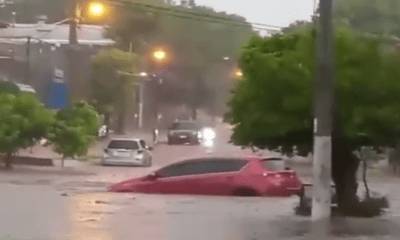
x=126 y=139
x=186 y=121
x=236 y=158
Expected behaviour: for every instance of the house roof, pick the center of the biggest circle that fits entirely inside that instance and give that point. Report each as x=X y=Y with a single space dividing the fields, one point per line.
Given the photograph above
x=54 y=33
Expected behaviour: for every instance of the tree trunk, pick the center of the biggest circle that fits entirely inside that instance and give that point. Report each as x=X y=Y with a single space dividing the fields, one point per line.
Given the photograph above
x=8 y=161
x=62 y=162
x=344 y=170
x=365 y=177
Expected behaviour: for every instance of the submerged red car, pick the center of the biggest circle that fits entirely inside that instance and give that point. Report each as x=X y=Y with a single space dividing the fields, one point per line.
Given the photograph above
x=252 y=176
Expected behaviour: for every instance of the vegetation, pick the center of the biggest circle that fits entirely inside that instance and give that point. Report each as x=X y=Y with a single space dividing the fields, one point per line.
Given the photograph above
x=110 y=91
x=74 y=131
x=195 y=49
x=377 y=17
x=24 y=121
x=272 y=106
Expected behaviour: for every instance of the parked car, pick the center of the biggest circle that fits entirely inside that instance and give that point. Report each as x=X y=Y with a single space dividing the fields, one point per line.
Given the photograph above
x=185 y=132
x=103 y=131
x=247 y=176
x=127 y=152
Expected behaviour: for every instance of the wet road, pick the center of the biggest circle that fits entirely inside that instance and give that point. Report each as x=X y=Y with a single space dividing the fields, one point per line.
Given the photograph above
x=68 y=206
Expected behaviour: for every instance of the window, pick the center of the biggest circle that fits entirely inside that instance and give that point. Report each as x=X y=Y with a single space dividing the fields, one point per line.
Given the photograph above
x=186 y=126
x=195 y=167
x=142 y=143
x=123 y=144
x=220 y=166
x=274 y=164
x=174 y=170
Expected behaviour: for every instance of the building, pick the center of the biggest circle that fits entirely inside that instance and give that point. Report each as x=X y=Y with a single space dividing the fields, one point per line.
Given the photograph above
x=31 y=53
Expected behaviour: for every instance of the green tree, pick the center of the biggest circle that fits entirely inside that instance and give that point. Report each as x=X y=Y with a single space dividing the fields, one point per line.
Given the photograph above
x=367 y=154
x=272 y=105
x=24 y=120
x=372 y=16
x=196 y=45
x=75 y=129
x=109 y=91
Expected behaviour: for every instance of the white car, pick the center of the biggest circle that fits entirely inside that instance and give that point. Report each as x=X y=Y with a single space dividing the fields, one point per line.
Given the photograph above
x=103 y=131
x=127 y=151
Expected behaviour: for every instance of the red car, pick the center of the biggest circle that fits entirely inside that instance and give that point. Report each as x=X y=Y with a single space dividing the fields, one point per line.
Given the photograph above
x=252 y=176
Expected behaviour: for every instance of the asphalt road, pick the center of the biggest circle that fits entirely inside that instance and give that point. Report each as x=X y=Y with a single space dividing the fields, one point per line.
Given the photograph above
x=47 y=203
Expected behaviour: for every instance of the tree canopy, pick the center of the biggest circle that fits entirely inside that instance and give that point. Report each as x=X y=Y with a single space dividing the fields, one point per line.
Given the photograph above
x=75 y=129
x=24 y=120
x=273 y=105
x=195 y=45
x=373 y=16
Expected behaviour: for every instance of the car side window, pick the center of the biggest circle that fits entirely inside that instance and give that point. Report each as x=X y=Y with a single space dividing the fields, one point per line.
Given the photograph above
x=142 y=143
x=213 y=166
x=230 y=165
x=173 y=170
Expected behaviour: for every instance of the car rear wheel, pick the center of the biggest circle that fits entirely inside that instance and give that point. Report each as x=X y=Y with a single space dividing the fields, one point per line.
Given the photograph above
x=170 y=141
x=245 y=192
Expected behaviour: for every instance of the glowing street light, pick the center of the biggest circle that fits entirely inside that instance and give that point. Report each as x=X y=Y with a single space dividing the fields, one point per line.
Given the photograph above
x=96 y=9
x=239 y=73
x=159 y=55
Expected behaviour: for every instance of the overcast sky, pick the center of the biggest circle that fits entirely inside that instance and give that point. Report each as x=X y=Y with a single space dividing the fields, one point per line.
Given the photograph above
x=274 y=12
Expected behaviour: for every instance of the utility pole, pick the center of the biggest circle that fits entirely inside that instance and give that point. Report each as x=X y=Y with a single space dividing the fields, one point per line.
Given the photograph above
x=323 y=125
x=28 y=51
x=73 y=36
x=141 y=92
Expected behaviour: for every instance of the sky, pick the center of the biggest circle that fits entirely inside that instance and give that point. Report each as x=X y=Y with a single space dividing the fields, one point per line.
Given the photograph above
x=273 y=12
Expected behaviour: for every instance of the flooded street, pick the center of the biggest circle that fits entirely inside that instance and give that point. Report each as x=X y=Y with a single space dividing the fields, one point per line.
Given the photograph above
x=74 y=205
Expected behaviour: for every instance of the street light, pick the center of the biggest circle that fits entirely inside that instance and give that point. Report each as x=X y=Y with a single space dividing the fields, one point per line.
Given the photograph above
x=239 y=73
x=96 y=9
x=159 y=55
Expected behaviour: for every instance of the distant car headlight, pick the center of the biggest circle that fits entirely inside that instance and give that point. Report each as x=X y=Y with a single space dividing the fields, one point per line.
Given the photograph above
x=208 y=133
x=105 y=155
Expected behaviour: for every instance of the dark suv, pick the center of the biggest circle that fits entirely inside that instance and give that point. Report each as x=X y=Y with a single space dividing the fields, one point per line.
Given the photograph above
x=185 y=132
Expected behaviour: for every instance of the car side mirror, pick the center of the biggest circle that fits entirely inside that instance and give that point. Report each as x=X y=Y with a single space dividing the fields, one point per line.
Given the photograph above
x=106 y=150
x=150 y=148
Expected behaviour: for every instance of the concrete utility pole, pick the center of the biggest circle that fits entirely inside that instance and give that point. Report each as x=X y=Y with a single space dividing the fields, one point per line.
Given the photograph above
x=28 y=51
x=73 y=36
x=323 y=125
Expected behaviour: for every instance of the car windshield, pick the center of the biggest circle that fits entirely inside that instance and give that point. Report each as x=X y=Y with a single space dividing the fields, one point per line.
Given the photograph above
x=123 y=144
x=186 y=126
x=274 y=164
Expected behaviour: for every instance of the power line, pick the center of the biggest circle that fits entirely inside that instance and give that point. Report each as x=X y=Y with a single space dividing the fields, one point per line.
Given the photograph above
x=204 y=17
x=209 y=20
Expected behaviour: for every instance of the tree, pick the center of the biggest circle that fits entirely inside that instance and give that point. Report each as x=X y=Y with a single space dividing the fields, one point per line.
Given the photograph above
x=195 y=45
x=367 y=154
x=378 y=17
x=75 y=129
x=109 y=91
x=272 y=106
x=24 y=120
